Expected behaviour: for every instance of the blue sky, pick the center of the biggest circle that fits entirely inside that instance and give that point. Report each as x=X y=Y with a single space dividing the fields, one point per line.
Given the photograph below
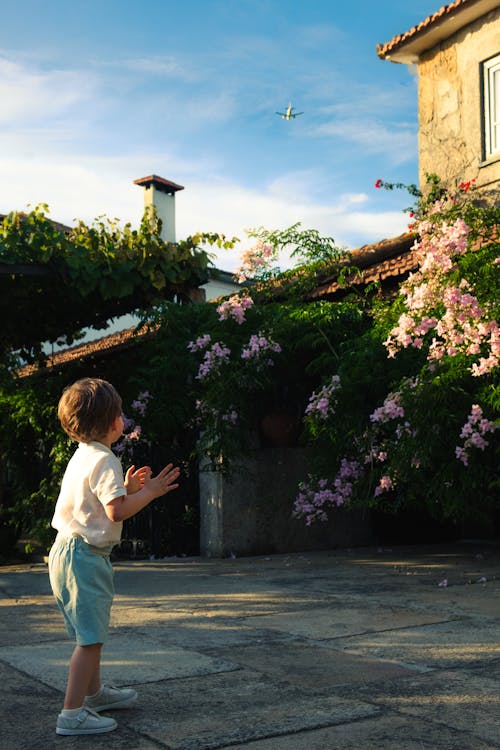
x=95 y=94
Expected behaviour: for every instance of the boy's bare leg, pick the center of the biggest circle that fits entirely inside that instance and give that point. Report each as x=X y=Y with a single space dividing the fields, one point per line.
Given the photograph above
x=84 y=675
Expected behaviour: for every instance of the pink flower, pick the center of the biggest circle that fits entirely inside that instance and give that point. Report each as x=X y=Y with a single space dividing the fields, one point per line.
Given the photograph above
x=313 y=497
x=256 y=261
x=257 y=346
x=323 y=402
x=463 y=327
x=235 y=308
x=473 y=431
x=201 y=343
x=385 y=484
x=391 y=409
x=214 y=358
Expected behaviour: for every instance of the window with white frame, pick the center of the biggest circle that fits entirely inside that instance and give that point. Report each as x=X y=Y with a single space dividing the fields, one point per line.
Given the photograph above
x=491 y=94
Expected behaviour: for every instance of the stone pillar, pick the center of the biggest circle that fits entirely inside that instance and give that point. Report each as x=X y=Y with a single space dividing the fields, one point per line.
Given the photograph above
x=250 y=511
x=211 y=514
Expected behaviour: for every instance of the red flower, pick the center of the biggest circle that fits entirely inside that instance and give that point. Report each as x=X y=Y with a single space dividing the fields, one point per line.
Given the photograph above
x=378 y=184
x=466 y=186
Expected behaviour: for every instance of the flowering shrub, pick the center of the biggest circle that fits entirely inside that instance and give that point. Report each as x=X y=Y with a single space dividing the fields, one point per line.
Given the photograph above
x=132 y=431
x=450 y=312
x=410 y=418
x=442 y=336
x=257 y=348
x=235 y=308
x=228 y=379
x=322 y=403
x=473 y=433
x=256 y=262
x=315 y=496
x=304 y=247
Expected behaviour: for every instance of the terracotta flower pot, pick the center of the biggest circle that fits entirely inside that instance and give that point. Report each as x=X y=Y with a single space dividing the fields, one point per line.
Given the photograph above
x=280 y=429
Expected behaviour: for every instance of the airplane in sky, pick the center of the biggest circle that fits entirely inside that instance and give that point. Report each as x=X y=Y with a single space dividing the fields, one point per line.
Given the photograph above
x=289 y=114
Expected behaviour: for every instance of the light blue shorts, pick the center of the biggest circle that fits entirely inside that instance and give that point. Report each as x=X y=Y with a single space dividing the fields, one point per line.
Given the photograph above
x=82 y=581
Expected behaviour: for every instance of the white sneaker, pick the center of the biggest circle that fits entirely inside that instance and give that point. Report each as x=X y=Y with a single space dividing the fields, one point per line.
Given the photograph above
x=110 y=696
x=86 y=722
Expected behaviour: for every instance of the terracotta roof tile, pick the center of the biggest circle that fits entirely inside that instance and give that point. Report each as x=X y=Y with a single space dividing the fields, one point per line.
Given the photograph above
x=392 y=258
x=114 y=342
x=384 y=50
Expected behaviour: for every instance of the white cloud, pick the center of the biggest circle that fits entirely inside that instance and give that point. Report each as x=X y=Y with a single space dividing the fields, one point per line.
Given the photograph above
x=85 y=189
x=397 y=142
x=158 y=65
x=33 y=95
x=230 y=208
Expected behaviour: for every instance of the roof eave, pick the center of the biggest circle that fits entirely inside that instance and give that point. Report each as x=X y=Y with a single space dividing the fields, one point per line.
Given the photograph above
x=410 y=49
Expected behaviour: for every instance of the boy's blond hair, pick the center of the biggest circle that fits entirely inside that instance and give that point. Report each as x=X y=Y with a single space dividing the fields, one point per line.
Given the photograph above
x=88 y=408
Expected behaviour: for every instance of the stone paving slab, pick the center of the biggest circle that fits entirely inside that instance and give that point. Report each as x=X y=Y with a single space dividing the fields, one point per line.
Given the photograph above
x=207 y=635
x=125 y=661
x=313 y=668
x=455 y=600
x=339 y=620
x=220 y=605
x=29 y=619
x=467 y=701
x=383 y=732
x=28 y=711
x=445 y=645
x=237 y=707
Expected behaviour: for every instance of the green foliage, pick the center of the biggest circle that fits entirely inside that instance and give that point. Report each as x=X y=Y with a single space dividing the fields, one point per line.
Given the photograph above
x=34 y=451
x=83 y=276
x=315 y=256
x=309 y=246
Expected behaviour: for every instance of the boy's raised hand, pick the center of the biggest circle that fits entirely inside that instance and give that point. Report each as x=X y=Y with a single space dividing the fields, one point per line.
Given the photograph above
x=163 y=482
x=134 y=479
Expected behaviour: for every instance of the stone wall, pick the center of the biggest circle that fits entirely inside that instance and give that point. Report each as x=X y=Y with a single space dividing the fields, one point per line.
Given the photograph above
x=250 y=512
x=450 y=105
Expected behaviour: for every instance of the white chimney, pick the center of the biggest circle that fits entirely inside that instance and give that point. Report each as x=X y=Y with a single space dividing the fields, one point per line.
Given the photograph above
x=160 y=193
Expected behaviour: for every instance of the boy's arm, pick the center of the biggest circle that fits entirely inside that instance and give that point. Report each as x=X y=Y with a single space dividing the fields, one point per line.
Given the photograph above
x=127 y=506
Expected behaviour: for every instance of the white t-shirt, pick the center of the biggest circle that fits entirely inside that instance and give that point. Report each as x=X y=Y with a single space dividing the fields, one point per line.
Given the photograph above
x=93 y=477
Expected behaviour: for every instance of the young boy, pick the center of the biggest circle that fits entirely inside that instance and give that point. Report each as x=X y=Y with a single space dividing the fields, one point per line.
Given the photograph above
x=94 y=500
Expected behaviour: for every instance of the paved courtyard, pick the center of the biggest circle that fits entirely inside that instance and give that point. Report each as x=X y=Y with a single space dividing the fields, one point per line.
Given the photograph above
x=386 y=649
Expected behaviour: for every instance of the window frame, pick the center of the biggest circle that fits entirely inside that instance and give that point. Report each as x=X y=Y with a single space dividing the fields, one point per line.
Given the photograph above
x=490 y=70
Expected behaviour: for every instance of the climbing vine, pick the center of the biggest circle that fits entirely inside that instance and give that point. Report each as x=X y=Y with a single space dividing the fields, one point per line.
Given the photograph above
x=57 y=280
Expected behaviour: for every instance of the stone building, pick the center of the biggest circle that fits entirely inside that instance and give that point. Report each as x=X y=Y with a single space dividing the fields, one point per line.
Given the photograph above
x=456 y=52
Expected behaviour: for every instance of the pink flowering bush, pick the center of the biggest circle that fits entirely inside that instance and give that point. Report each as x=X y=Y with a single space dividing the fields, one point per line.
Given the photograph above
x=316 y=496
x=473 y=432
x=235 y=307
x=423 y=427
x=258 y=349
x=447 y=313
x=132 y=436
x=322 y=402
x=304 y=248
x=229 y=378
x=256 y=262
